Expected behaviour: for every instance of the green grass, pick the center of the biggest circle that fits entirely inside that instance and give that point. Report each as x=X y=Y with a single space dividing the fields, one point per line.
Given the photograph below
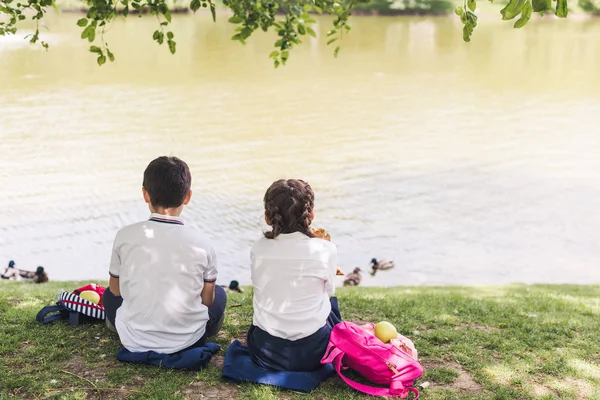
x=508 y=342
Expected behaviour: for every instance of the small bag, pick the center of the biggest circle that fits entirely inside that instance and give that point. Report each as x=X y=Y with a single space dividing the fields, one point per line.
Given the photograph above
x=72 y=307
x=393 y=364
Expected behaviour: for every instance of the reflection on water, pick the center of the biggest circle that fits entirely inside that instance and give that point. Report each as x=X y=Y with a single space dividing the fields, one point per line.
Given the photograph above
x=465 y=163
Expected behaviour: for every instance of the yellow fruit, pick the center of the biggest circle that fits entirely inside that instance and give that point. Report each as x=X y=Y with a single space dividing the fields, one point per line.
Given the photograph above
x=90 y=295
x=385 y=331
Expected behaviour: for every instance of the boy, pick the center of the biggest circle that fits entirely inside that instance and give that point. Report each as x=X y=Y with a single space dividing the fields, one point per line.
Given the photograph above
x=164 y=270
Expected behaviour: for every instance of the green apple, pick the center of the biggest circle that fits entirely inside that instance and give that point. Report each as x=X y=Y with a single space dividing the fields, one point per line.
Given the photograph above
x=90 y=295
x=385 y=331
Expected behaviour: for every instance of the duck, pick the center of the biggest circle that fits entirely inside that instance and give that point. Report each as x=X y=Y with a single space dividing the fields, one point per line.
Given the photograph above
x=354 y=278
x=10 y=272
x=380 y=265
x=40 y=275
x=234 y=286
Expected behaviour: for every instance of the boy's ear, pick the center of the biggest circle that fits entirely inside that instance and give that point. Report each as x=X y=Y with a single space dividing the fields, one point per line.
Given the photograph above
x=146 y=195
x=267 y=220
x=187 y=198
x=312 y=215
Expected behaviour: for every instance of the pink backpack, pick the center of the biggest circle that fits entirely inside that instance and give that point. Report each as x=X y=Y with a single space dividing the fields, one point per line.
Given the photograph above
x=393 y=364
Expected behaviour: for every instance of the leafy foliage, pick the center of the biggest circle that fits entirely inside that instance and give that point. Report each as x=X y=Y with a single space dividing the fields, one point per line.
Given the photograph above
x=590 y=6
x=290 y=19
x=391 y=7
x=514 y=8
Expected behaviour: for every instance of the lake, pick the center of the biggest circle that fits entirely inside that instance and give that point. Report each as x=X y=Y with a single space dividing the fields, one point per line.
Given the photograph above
x=465 y=163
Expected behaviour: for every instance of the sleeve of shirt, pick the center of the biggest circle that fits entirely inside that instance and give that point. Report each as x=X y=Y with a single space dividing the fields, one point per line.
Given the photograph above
x=210 y=273
x=115 y=260
x=331 y=271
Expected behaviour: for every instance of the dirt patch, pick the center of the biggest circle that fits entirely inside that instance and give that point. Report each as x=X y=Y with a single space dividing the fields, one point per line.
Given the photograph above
x=582 y=387
x=464 y=382
x=14 y=300
x=198 y=391
x=217 y=361
x=77 y=368
x=538 y=390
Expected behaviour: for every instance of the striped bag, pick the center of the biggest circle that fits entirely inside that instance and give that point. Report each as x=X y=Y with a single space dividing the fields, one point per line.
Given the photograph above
x=74 y=308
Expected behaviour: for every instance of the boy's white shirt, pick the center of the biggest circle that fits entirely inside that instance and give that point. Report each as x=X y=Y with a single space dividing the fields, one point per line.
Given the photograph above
x=162 y=267
x=293 y=277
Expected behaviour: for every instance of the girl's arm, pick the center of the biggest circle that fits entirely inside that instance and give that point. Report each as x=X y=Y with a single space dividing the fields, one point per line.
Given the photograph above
x=331 y=272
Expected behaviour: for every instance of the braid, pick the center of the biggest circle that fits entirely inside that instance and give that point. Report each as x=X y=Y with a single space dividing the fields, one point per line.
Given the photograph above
x=289 y=207
x=276 y=220
x=303 y=223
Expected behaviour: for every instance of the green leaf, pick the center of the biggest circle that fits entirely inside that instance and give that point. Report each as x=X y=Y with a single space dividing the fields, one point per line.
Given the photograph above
x=512 y=9
x=101 y=60
x=158 y=36
x=562 y=9
x=236 y=20
x=525 y=15
x=331 y=32
x=331 y=40
x=213 y=12
x=541 y=5
x=170 y=35
x=467 y=32
x=172 y=46
x=110 y=55
x=336 y=51
x=89 y=33
x=284 y=56
x=459 y=10
x=95 y=49
x=125 y=11
x=311 y=32
x=472 y=4
x=164 y=10
x=195 y=5
x=301 y=29
x=274 y=54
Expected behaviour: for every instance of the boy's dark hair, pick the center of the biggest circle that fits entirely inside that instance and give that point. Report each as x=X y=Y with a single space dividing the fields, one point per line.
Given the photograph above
x=167 y=181
x=288 y=206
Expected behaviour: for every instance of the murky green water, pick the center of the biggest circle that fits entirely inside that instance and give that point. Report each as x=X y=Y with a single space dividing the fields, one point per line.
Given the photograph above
x=465 y=163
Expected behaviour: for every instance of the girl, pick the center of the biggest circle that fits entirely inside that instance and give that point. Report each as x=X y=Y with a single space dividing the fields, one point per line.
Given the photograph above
x=293 y=274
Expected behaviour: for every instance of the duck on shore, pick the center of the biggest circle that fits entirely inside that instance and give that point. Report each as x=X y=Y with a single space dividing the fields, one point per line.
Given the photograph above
x=380 y=265
x=354 y=278
x=15 y=274
x=234 y=286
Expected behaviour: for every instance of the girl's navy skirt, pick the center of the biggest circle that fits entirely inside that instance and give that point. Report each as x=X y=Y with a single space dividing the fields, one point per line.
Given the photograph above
x=304 y=354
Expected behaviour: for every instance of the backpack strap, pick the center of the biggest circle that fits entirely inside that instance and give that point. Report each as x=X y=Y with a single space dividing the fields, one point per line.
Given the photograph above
x=396 y=388
x=58 y=312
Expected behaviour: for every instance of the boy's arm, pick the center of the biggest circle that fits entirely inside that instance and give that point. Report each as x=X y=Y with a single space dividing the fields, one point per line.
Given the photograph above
x=113 y=285
x=208 y=293
x=210 y=279
x=114 y=270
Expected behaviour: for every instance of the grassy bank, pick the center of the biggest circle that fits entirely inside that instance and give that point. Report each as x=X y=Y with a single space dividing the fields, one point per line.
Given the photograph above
x=510 y=342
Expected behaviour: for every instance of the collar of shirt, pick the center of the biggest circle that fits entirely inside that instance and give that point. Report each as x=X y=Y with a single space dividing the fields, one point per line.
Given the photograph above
x=167 y=219
x=293 y=235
